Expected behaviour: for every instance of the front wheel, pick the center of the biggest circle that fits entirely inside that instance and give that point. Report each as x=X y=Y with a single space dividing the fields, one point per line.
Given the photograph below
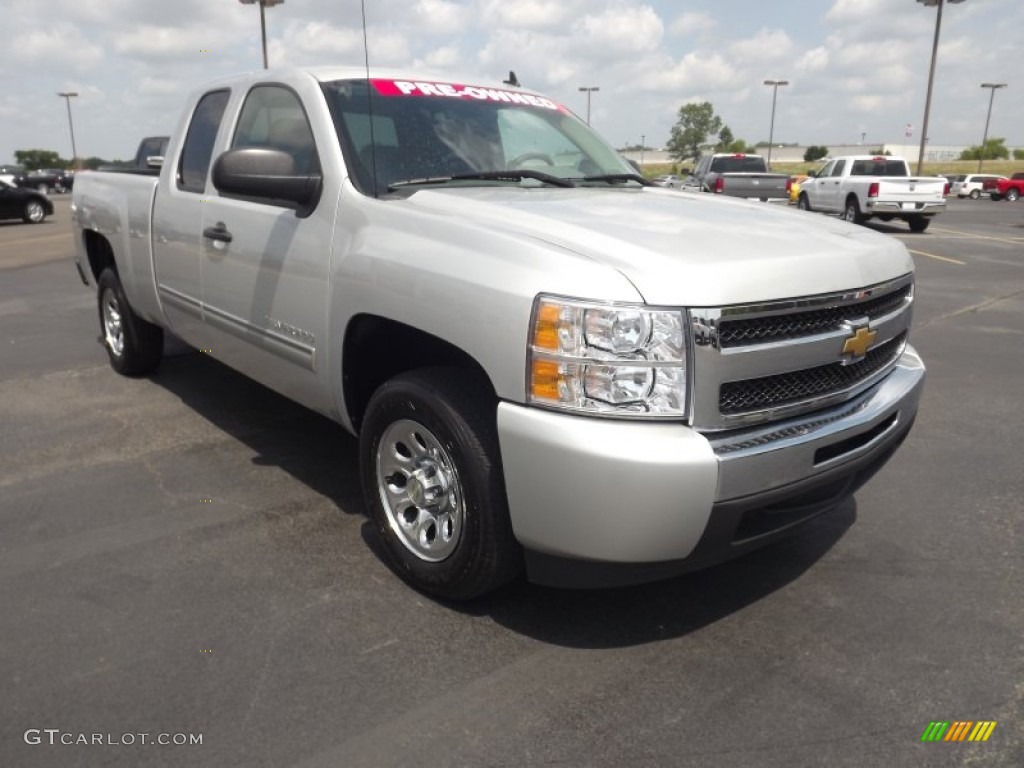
x=33 y=212
x=803 y=203
x=431 y=472
x=1012 y=195
x=133 y=345
x=918 y=223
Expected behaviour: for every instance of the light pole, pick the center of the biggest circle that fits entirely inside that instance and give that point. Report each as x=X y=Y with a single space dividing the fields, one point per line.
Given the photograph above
x=991 y=95
x=263 y=21
x=643 y=141
x=67 y=96
x=771 y=128
x=931 y=75
x=589 y=90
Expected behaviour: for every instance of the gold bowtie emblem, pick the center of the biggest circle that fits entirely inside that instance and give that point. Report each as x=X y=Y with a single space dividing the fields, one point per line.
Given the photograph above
x=857 y=345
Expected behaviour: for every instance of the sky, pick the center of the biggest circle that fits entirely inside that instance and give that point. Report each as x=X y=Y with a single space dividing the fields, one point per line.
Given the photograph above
x=854 y=66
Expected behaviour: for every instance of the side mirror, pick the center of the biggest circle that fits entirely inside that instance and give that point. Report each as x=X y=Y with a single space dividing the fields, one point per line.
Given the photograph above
x=266 y=175
x=812 y=174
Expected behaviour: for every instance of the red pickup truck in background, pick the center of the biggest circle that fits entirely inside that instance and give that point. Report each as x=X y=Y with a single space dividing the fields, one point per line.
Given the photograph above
x=1009 y=189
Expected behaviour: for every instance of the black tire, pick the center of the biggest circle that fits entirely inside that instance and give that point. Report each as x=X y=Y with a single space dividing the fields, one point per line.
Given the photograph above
x=134 y=346
x=1012 y=195
x=918 y=223
x=975 y=194
x=851 y=212
x=34 y=212
x=803 y=202
x=436 y=495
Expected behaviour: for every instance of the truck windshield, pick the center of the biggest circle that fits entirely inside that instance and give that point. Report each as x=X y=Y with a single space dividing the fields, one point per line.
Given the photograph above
x=396 y=134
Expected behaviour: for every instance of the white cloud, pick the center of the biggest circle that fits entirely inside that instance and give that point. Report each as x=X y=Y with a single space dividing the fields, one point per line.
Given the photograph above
x=692 y=23
x=54 y=44
x=527 y=14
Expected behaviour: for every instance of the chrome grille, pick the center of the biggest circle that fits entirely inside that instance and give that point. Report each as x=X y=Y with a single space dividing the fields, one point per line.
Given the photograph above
x=760 y=330
x=787 y=388
x=758 y=363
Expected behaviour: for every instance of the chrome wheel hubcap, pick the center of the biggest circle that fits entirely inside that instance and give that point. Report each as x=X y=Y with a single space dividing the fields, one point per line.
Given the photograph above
x=113 y=330
x=35 y=212
x=420 y=490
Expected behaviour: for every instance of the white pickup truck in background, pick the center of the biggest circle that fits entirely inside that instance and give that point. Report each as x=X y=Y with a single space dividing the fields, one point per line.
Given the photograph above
x=550 y=363
x=859 y=187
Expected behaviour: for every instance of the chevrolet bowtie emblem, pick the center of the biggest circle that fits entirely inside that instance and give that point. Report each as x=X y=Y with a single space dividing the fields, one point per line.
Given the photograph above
x=856 y=346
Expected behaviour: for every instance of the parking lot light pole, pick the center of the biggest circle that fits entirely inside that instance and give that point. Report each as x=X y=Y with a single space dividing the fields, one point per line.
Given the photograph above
x=589 y=90
x=67 y=96
x=263 y=21
x=771 y=127
x=931 y=75
x=991 y=95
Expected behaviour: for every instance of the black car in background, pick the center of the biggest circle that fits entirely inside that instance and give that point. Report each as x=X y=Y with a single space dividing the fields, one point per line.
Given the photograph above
x=46 y=180
x=26 y=204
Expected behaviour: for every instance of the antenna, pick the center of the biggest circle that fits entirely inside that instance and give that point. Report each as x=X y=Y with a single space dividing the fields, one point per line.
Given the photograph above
x=369 y=100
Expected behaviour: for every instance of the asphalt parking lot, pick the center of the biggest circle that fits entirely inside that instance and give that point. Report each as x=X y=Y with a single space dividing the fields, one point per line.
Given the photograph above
x=188 y=554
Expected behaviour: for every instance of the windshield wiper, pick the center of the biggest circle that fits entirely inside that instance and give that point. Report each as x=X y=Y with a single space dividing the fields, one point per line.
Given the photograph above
x=615 y=178
x=519 y=175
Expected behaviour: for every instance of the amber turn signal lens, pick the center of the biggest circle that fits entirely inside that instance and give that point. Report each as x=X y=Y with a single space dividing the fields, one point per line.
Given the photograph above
x=545 y=326
x=544 y=378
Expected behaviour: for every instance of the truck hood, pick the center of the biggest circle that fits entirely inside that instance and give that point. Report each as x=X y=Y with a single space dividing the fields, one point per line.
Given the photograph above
x=685 y=249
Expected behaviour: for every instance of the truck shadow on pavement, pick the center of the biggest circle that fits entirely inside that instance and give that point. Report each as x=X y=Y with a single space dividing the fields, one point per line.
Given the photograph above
x=313 y=449
x=320 y=454
x=626 y=616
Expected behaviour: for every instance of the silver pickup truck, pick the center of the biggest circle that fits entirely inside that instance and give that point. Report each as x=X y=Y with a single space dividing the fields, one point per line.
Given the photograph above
x=550 y=364
x=739 y=175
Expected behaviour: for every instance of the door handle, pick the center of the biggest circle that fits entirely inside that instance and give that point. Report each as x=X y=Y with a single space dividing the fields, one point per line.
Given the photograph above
x=219 y=233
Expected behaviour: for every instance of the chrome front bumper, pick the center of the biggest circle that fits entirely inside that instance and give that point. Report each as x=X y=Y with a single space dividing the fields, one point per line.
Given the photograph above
x=620 y=492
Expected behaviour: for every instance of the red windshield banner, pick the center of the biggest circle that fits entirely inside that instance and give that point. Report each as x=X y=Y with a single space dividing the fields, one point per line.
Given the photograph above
x=458 y=91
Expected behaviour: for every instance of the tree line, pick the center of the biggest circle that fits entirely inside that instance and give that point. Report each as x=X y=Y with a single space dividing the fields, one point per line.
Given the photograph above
x=34 y=159
x=697 y=122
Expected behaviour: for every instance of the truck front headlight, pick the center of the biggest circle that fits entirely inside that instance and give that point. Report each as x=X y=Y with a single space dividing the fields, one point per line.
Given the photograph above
x=614 y=360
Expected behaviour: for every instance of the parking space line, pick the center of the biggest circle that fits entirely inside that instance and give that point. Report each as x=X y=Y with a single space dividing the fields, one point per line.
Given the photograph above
x=65 y=236
x=1010 y=240
x=936 y=256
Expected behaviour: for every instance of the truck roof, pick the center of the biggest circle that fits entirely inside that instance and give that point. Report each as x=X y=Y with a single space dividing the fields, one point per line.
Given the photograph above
x=325 y=74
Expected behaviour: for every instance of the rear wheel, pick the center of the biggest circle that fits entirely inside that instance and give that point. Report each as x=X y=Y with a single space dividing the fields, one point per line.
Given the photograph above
x=975 y=194
x=803 y=203
x=33 y=212
x=851 y=212
x=133 y=345
x=431 y=472
x=918 y=223
x=1012 y=194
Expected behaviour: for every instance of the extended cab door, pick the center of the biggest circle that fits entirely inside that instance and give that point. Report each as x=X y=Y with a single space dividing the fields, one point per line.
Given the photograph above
x=179 y=206
x=830 y=188
x=265 y=266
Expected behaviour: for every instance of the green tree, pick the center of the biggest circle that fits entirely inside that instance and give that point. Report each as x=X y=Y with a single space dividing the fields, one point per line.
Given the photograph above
x=728 y=143
x=33 y=159
x=815 y=152
x=1018 y=154
x=696 y=122
x=995 y=149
